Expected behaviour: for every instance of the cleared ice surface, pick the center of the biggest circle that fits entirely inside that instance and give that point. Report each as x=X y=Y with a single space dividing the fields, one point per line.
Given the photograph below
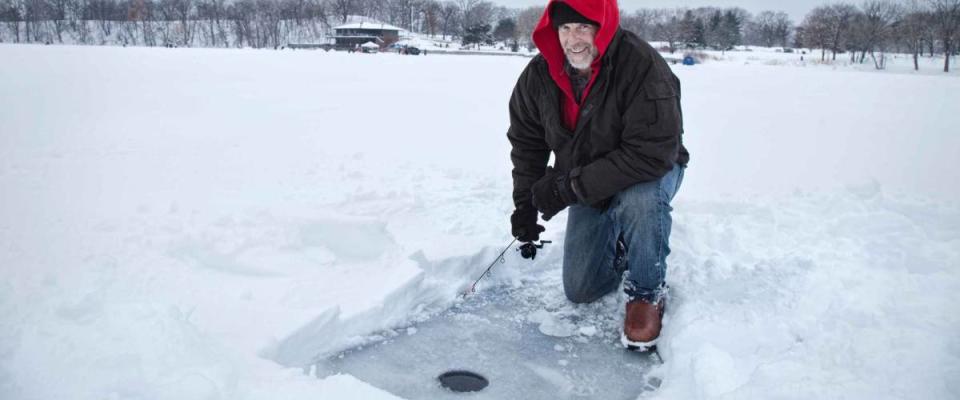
x=498 y=333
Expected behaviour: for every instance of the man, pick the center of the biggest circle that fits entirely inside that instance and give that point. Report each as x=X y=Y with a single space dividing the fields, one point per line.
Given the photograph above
x=608 y=107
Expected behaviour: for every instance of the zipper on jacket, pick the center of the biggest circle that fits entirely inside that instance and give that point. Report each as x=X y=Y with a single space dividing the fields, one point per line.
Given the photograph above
x=598 y=92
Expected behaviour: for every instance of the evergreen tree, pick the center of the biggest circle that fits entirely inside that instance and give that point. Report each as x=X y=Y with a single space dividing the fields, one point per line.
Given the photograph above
x=730 y=34
x=506 y=29
x=699 y=33
x=476 y=34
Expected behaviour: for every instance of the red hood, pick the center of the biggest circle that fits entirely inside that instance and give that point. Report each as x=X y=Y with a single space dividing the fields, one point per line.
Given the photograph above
x=605 y=12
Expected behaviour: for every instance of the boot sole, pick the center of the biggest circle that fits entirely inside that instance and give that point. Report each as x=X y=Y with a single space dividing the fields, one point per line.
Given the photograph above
x=640 y=347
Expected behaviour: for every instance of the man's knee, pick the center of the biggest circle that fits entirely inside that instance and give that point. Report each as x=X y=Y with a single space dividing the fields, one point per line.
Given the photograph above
x=645 y=195
x=640 y=206
x=587 y=292
x=581 y=297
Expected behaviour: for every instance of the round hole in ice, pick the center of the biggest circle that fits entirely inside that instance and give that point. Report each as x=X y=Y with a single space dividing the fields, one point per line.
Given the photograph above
x=463 y=381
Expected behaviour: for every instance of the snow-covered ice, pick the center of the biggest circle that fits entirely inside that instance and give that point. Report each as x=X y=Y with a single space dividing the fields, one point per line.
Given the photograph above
x=186 y=223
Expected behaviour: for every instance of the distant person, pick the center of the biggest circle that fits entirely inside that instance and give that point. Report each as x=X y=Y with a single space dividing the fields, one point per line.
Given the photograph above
x=608 y=106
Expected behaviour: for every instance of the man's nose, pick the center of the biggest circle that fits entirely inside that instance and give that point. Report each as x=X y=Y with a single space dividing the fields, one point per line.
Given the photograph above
x=581 y=34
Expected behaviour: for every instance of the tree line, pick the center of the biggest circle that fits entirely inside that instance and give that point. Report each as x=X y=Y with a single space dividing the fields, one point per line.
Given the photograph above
x=870 y=29
x=880 y=26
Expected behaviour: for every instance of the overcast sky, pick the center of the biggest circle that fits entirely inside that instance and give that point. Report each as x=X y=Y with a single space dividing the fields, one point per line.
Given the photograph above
x=796 y=8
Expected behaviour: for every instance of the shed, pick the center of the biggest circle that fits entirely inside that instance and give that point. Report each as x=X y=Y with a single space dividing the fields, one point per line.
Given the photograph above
x=370 y=47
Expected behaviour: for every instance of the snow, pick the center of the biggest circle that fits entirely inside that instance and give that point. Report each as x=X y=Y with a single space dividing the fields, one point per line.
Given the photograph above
x=187 y=223
x=369 y=25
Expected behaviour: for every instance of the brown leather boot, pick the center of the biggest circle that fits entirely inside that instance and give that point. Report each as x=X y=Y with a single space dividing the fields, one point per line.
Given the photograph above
x=641 y=325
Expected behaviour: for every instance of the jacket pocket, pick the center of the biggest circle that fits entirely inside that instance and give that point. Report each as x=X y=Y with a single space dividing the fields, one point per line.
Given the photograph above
x=659 y=89
x=661 y=95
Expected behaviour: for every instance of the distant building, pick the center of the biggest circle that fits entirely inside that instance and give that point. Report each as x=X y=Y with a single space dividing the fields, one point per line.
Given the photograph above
x=352 y=35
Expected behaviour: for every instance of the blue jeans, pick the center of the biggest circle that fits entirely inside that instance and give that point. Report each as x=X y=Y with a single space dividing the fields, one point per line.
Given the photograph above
x=639 y=216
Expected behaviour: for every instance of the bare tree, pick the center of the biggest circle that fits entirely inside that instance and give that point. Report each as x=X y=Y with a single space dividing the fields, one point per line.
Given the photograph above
x=466 y=8
x=782 y=28
x=450 y=18
x=319 y=12
x=432 y=10
x=403 y=13
x=35 y=13
x=946 y=20
x=839 y=20
x=212 y=14
x=181 y=11
x=857 y=38
x=376 y=9
x=129 y=32
x=12 y=15
x=527 y=20
x=670 y=27
x=79 y=21
x=641 y=22
x=875 y=29
x=344 y=8
x=817 y=32
x=57 y=12
x=389 y=11
x=476 y=12
x=267 y=21
x=770 y=28
x=303 y=18
x=104 y=13
x=242 y=14
x=912 y=29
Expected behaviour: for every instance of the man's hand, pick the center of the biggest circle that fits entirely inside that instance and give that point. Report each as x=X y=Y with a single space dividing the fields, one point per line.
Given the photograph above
x=524 y=224
x=553 y=193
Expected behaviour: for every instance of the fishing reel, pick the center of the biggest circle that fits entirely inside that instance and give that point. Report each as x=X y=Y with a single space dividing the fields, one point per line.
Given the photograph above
x=529 y=249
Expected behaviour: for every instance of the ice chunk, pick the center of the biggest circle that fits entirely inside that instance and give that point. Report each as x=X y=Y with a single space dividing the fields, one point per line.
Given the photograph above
x=552 y=325
x=589 y=330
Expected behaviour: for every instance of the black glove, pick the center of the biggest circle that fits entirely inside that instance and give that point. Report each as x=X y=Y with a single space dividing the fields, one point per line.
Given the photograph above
x=524 y=224
x=553 y=193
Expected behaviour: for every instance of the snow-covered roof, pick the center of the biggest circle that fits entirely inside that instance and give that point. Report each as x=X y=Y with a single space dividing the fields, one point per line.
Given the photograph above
x=369 y=44
x=369 y=25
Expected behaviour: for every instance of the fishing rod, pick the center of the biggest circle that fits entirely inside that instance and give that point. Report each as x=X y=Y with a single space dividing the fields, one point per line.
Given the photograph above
x=527 y=250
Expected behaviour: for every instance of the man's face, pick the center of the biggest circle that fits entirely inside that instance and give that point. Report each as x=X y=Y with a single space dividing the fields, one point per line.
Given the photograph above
x=577 y=42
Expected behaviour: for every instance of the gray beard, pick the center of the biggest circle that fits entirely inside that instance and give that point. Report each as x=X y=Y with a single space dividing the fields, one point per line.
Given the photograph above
x=585 y=65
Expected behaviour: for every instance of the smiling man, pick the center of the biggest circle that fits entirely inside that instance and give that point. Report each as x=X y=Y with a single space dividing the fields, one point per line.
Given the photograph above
x=608 y=106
